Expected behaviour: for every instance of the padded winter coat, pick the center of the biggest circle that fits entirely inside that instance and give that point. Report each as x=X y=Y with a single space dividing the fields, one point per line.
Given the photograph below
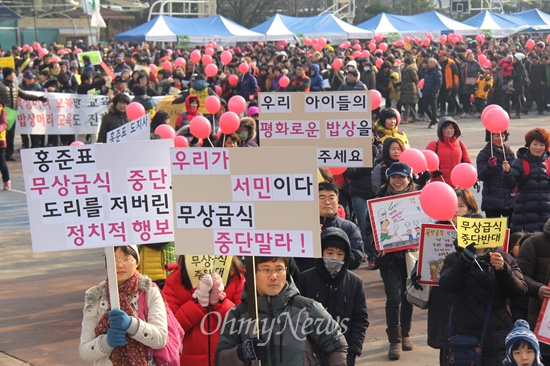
x=110 y=121
x=495 y=195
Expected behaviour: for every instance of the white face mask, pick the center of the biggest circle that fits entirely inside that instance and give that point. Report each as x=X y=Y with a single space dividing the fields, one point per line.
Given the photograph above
x=332 y=265
x=366 y=68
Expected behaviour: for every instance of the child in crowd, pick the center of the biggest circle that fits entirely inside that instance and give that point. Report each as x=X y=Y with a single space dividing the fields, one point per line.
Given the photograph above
x=522 y=346
x=484 y=85
x=395 y=89
x=386 y=126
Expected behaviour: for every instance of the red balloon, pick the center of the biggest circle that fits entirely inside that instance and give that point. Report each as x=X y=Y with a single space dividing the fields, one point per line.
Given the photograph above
x=77 y=143
x=379 y=62
x=383 y=46
x=438 y=200
x=200 y=127
x=134 y=111
x=42 y=52
x=165 y=131
x=379 y=38
x=280 y=47
x=212 y=104
x=529 y=44
x=167 y=65
x=417 y=40
x=347 y=44
x=233 y=80
x=211 y=70
x=487 y=109
x=284 y=81
x=318 y=47
x=261 y=44
x=181 y=141
x=206 y=60
x=180 y=61
x=236 y=104
x=548 y=38
x=244 y=67
x=421 y=84
x=426 y=42
x=209 y=51
x=153 y=69
x=443 y=39
x=284 y=42
x=464 y=176
x=430 y=37
x=219 y=90
x=398 y=118
x=337 y=171
x=336 y=65
x=496 y=120
x=226 y=57
x=322 y=42
x=397 y=61
x=407 y=39
x=365 y=54
x=357 y=54
x=400 y=44
x=415 y=159
x=214 y=44
x=372 y=47
x=376 y=99
x=357 y=47
x=195 y=56
x=55 y=59
x=77 y=51
x=432 y=159
x=229 y=122
x=472 y=98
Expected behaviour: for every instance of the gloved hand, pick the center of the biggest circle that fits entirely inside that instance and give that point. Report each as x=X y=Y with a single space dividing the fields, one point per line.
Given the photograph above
x=469 y=253
x=477 y=186
x=492 y=162
x=217 y=293
x=437 y=174
x=250 y=350
x=202 y=293
x=116 y=338
x=43 y=99
x=120 y=320
x=423 y=178
x=487 y=88
x=414 y=281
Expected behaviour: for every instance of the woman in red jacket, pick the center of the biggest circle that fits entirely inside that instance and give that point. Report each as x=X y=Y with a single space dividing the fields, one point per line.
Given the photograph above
x=450 y=150
x=201 y=310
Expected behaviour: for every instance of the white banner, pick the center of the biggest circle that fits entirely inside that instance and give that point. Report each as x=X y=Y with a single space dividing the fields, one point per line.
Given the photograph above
x=99 y=195
x=62 y=114
x=138 y=129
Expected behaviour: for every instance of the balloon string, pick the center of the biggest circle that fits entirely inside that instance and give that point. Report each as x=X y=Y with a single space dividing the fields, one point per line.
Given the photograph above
x=503 y=150
x=211 y=144
x=491 y=142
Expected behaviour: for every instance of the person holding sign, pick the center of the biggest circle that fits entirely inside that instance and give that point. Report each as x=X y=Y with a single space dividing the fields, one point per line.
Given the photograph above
x=393 y=270
x=200 y=304
x=116 y=336
x=3 y=165
x=530 y=172
x=291 y=326
x=115 y=117
x=478 y=278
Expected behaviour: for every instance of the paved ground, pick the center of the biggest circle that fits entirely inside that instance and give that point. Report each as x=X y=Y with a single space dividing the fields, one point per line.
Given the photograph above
x=41 y=294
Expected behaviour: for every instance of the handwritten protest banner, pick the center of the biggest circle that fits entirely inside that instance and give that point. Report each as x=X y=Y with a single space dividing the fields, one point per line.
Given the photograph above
x=260 y=202
x=199 y=265
x=436 y=242
x=338 y=124
x=485 y=233
x=396 y=221
x=99 y=195
x=542 y=329
x=62 y=114
x=164 y=104
x=138 y=129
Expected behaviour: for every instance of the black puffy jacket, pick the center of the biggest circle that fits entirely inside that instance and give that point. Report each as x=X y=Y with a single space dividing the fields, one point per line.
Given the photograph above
x=342 y=296
x=532 y=202
x=471 y=290
x=495 y=195
x=354 y=235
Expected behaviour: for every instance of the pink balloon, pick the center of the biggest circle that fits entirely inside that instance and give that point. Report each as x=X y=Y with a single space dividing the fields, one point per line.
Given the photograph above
x=529 y=44
x=432 y=159
x=180 y=61
x=357 y=54
x=357 y=47
x=347 y=44
x=372 y=47
x=60 y=52
x=426 y=42
x=421 y=84
x=318 y=47
x=134 y=111
x=438 y=200
x=459 y=38
x=165 y=131
x=397 y=61
x=379 y=38
x=229 y=122
x=261 y=44
x=42 y=52
x=167 y=65
x=209 y=51
x=181 y=141
x=284 y=42
x=212 y=104
x=415 y=159
x=236 y=104
x=233 y=80
x=55 y=59
x=548 y=38
x=496 y=120
x=337 y=171
x=479 y=37
x=206 y=60
x=226 y=57
x=244 y=67
x=379 y=63
x=398 y=118
x=487 y=109
x=407 y=39
x=463 y=176
x=322 y=42
x=77 y=51
x=443 y=39
x=211 y=70
x=280 y=47
x=417 y=40
x=153 y=69
x=169 y=52
x=383 y=46
x=195 y=56
x=200 y=127
x=365 y=54
x=77 y=143
x=376 y=99
x=214 y=44
x=219 y=90
x=284 y=81
x=472 y=98
x=400 y=44
x=336 y=65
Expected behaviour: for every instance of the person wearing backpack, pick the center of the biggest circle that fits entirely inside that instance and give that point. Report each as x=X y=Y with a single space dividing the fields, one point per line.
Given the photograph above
x=118 y=337
x=201 y=310
x=530 y=173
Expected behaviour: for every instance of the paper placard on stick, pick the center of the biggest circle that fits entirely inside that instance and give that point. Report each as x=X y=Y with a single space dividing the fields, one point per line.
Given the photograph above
x=99 y=195
x=436 y=242
x=142 y=68
x=7 y=62
x=396 y=221
x=261 y=202
x=484 y=232
x=138 y=129
x=95 y=57
x=542 y=329
x=199 y=265
x=338 y=124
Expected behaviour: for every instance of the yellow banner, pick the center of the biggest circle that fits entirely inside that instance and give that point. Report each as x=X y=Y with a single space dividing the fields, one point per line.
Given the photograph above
x=199 y=265
x=7 y=62
x=165 y=104
x=485 y=233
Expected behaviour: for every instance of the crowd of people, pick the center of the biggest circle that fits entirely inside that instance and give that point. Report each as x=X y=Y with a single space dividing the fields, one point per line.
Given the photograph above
x=435 y=83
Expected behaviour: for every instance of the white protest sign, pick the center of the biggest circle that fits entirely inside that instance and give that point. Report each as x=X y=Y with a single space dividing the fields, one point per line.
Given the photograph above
x=396 y=221
x=62 y=114
x=99 y=195
x=338 y=124
x=260 y=202
x=138 y=129
x=542 y=329
x=436 y=242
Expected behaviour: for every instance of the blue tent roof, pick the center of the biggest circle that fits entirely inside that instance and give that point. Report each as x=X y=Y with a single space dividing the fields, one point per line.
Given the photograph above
x=385 y=23
x=158 y=29
x=432 y=21
x=494 y=24
x=275 y=28
x=533 y=20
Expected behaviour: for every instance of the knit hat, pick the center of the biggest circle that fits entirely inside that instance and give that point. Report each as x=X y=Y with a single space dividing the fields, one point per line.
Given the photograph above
x=520 y=56
x=135 y=248
x=521 y=332
x=253 y=110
